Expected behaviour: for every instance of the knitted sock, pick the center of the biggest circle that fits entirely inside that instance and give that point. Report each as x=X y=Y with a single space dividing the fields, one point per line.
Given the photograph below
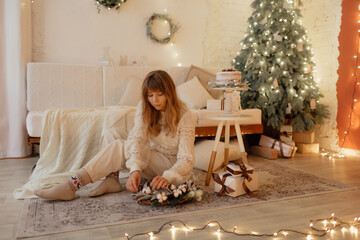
x=111 y=184
x=67 y=189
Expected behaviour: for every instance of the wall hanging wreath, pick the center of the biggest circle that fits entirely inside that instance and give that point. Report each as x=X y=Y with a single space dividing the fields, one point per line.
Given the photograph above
x=172 y=28
x=109 y=4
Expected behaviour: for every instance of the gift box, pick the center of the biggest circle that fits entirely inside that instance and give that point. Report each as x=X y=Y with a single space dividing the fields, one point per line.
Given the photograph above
x=239 y=179
x=304 y=137
x=307 y=147
x=264 y=152
x=284 y=149
x=286 y=132
x=213 y=104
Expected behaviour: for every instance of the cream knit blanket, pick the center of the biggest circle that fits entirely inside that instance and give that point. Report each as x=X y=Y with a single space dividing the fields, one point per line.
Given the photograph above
x=70 y=138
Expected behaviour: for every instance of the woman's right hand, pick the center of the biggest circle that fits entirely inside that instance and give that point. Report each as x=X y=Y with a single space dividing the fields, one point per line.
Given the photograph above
x=133 y=182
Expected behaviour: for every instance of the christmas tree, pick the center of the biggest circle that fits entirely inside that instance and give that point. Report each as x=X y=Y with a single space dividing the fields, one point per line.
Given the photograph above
x=276 y=59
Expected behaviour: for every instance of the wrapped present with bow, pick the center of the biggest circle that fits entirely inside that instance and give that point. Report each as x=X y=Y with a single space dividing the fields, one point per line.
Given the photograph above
x=286 y=132
x=239 y=179
x=285 y=150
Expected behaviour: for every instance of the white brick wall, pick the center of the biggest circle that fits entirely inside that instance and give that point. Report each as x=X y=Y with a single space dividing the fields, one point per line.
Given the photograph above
x=322 y=19
x=225 y=28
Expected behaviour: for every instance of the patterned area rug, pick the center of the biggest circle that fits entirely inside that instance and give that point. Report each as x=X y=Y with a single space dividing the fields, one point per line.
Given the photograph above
x=277 y=182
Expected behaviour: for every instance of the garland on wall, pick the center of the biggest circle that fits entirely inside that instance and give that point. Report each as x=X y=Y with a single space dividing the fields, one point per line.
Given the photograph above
x=172 y=28
x=109 y=4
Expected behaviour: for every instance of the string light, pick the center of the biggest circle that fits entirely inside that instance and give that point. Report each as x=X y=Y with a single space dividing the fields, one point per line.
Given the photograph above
x=356 y=82
x=320 y=226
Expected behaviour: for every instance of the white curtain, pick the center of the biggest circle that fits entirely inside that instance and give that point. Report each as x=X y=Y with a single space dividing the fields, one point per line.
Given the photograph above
x=15 y=52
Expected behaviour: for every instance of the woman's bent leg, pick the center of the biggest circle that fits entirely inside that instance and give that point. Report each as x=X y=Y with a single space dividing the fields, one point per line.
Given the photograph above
x=107 y=163
x=109 y=159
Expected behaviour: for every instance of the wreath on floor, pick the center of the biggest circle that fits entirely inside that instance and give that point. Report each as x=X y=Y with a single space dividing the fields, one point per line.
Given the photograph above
x=171 y=195
x=149 y=28
x=109 y=4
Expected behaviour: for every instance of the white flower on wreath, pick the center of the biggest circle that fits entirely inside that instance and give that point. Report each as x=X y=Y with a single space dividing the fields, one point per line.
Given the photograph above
x=161 y=197
x=198 y=194
x=177 y=192
x=147 y=190
x=172 y=187
x=191 y=194
x=182 y=187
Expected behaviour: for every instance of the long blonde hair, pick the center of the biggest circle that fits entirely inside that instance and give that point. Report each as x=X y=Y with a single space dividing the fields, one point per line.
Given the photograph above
x=161 y=81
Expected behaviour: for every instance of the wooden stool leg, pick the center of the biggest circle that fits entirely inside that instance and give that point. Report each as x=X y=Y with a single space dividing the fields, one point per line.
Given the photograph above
x=241 y=143
x=227 y=139
x=213 y=154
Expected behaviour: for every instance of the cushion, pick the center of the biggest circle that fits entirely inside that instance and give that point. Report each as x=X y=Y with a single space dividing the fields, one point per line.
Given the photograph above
x=132 y=93
x=34 y=123
x=204 y=77
x=203 y=150
x=193 y=94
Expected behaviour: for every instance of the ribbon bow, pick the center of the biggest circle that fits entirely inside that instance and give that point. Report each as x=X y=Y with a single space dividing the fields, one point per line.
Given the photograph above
x=243 y=171
x=224 y=189
x=286 y=134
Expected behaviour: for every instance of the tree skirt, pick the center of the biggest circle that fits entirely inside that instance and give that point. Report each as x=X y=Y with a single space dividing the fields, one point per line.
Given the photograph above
x=277 y=182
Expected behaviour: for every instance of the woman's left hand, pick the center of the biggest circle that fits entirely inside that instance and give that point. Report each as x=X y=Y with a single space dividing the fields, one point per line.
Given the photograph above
x=159 y=182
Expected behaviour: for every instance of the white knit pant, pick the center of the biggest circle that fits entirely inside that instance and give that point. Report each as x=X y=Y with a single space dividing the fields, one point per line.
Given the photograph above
x=111 y=158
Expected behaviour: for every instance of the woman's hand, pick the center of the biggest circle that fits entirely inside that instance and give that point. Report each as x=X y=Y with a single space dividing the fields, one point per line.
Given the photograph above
x=133 y=182
x=159 y=182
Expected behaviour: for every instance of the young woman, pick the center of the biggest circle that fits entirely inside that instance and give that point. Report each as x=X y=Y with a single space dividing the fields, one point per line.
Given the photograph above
x=159 y=147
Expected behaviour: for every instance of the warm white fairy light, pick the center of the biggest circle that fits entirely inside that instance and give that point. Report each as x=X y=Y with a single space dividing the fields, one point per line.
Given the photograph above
x=186 y=229
x=321 y=231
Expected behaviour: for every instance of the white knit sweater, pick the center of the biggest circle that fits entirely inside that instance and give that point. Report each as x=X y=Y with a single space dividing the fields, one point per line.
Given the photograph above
x=179 y=149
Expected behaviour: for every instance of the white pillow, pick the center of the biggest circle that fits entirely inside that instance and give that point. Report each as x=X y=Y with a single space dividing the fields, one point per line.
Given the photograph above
x=132 y=93
x=193 y=94
x=203 y=150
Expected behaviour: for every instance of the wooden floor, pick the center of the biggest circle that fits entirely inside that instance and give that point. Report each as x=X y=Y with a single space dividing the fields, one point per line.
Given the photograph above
x=261 y=218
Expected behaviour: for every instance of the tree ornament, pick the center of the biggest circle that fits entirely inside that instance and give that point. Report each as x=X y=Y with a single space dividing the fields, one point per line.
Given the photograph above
x=275 y=83
x=277 y=37
x=286 y=5
x=312 y=103
x=300 y=47
x=288 y=109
